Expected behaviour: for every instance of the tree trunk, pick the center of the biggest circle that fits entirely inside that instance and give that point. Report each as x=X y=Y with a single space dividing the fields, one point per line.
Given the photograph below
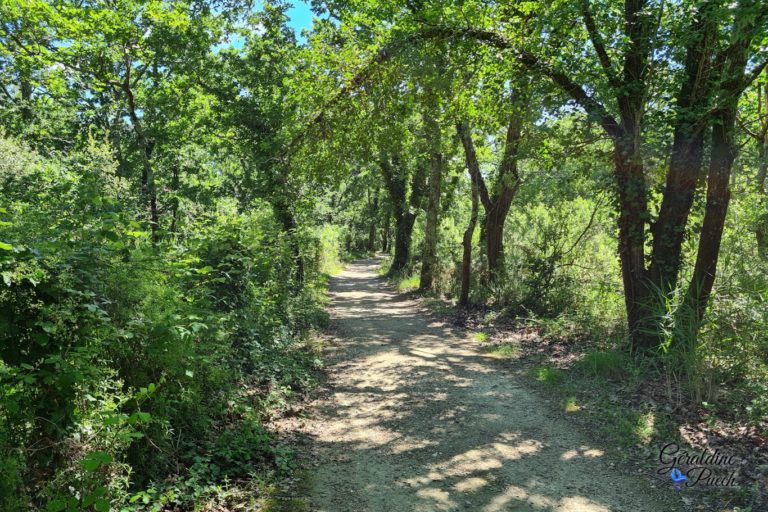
x=25 y=88
x=429 y=254
x=718 y=197
x=687 y=154
x=723 y=153
x=404 y=209
x=403 y=234
x=287 y=219
x=175 y=203
x=761 y=230
x=373 y=207
x=385 y=232
x=466 y=260
x=146 y=147
x=496 y=207
x=633 y=215
x=506 y=188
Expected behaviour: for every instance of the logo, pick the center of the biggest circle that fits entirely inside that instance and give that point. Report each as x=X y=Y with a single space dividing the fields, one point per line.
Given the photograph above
x=688 y=469
x=678 y=477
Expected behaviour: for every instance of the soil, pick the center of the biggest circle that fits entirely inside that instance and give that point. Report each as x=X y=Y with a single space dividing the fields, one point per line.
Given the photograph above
x=415 y=418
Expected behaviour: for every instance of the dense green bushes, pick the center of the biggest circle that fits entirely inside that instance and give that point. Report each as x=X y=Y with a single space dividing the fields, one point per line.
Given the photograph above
x=126 y=367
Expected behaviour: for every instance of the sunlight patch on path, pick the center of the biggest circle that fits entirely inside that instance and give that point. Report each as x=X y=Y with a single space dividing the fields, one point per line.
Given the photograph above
x=416 y=419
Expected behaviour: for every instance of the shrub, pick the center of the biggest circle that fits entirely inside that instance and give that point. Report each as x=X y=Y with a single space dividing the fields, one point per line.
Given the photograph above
x=127 y=367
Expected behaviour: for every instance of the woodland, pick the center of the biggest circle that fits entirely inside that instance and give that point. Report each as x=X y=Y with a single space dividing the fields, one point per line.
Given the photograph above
x=179 y=179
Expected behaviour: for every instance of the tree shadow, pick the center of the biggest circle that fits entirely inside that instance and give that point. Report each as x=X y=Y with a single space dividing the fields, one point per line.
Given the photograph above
x=417 y=420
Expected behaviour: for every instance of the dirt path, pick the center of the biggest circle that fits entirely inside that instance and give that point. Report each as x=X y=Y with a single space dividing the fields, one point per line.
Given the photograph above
x=416 y=420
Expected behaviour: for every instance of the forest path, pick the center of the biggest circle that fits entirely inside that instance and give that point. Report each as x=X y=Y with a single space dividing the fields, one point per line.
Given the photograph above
x=415 y=419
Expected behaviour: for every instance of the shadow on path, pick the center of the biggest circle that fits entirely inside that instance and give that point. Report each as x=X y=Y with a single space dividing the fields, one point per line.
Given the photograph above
x=416 y=420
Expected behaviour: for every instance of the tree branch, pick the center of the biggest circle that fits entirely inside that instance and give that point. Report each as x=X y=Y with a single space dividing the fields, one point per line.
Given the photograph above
x=470 y=156
x=592 y=106
x=599 y=45
x=752 y=75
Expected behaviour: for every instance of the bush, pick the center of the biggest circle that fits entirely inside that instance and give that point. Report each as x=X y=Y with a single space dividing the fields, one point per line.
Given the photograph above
x=125 y=366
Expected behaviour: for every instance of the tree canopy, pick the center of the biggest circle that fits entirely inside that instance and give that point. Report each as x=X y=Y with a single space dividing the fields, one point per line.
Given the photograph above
x=179 y=177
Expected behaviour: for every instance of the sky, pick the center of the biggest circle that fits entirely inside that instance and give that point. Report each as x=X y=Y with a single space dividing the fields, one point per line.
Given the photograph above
x=300 y=18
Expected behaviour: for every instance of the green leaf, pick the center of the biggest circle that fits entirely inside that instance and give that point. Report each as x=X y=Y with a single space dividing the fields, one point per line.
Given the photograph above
x=94 y=460
x=139 y=417
x=5 y=246
x=111 y=236
x=101 y=505
x=48 y=327
x=41 y=338
x=56 y=506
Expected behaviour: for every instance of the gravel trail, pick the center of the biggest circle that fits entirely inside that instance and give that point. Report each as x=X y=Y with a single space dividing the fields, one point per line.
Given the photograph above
x=416 y=419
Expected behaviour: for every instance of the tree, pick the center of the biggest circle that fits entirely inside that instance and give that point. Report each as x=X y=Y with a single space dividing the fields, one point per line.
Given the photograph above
x=496 y=203
x=405 y=205
x=466 y=242
x=436 y=164
x=709 y=87
x=756 y=130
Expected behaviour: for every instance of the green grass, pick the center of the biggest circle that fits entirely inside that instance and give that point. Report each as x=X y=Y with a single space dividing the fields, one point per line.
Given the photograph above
x=408 y=284
x=479 y=337
x=503 y=351
x=384 y=264
x=333 y=269
x=570 y=405
x=548 y=374
x=583 y=388
x=604 y=364
x=629 y=427
x=303 y=484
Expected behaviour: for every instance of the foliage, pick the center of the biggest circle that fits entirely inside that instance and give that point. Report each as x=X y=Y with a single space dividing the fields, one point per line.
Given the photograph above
x=191 y=173
x=122 y=363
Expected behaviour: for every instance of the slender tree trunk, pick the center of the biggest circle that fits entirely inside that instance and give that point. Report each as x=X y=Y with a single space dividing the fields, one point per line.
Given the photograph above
x=466 y=260
x=373 y=208
x=403 y=234
x=506 y=189
x=723 y=153
x=175 y=204
x=117 y=143
x=685 y=168
x=394 y=180
x=429 y=254
x=385 y=232
x=146 y=147
x=718 y=198
x=287 y=219
x=761 y=230
x=631 y=190
x=25 y=88
x=496 y=207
